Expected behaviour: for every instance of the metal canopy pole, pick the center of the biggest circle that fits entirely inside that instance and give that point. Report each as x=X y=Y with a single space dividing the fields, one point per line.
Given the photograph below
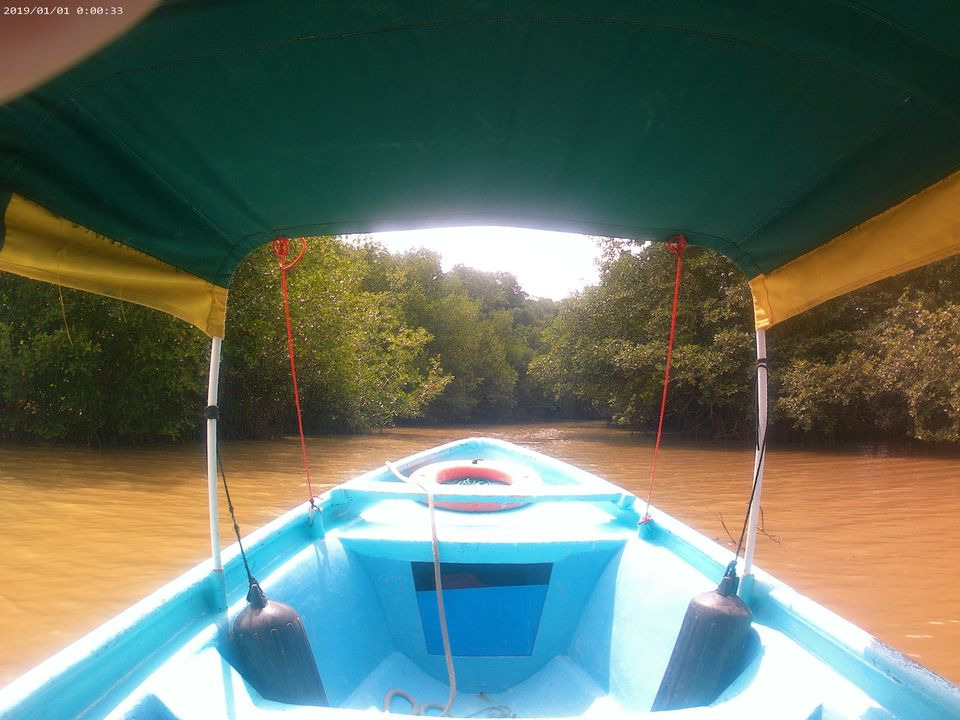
x=759 y=459
x=213 y=387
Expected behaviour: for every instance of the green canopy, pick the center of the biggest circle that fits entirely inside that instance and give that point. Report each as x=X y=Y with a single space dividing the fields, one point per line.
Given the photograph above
x=817 y=144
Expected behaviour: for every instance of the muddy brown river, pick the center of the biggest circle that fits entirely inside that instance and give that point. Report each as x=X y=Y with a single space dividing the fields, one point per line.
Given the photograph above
x=872 y=534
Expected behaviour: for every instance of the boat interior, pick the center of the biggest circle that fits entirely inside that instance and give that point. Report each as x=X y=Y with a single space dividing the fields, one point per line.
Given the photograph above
x=559 y=607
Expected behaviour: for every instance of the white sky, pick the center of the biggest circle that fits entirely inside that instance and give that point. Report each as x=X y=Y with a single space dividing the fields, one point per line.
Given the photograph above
x=547 y=264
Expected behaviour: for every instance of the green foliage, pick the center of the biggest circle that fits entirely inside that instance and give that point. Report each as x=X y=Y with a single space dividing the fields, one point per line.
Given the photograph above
x=895 y=376
x=919 y=347
x=608 y=346
x=94 y=370
x=482 y=329
x=378 y=339
x=383 y=338
x=359 y=362
x=879 y=362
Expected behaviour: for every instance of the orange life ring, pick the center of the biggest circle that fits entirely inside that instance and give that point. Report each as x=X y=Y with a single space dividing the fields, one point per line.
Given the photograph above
x=439 y=477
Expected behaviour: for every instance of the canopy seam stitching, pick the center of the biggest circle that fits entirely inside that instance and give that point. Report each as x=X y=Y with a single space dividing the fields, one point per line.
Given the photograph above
x=213 y=226
x=806 y=191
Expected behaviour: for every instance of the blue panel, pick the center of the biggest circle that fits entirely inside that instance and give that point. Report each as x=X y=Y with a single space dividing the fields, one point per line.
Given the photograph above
x=487 y=619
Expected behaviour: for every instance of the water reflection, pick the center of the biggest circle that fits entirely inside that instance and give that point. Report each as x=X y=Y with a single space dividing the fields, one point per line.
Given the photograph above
x=868 y=532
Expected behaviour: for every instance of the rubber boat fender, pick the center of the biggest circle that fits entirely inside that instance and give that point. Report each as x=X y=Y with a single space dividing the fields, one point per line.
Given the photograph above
x=710 y=649
x=471 y=473
x=274 y=651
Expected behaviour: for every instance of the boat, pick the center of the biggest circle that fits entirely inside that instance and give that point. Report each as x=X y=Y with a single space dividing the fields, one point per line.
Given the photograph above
x=815 y=145
x=560 y=605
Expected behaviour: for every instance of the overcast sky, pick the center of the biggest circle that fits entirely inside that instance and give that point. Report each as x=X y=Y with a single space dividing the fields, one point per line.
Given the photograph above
x=547 y=264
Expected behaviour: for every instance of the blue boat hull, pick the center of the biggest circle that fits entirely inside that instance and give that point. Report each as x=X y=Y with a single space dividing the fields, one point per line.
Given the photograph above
x=558 y=607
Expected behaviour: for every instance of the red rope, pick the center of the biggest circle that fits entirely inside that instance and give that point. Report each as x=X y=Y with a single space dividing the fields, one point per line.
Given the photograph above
x=677 y=245
x=281 y=246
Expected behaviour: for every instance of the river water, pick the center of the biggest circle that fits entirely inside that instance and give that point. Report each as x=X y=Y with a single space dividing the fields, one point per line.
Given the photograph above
x=871 y=534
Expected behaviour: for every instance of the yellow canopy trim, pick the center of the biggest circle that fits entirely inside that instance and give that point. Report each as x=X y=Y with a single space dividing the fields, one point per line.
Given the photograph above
x=40 y=245
x=922 y=229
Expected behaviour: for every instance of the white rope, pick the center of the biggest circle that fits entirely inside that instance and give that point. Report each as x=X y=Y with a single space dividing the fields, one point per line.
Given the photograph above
x=441 y=612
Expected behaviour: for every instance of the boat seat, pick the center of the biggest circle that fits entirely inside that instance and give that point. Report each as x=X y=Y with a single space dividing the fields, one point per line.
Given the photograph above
x=400 y=522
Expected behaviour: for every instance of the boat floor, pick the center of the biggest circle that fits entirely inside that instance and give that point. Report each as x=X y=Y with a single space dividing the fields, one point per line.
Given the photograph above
x=769 y=687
